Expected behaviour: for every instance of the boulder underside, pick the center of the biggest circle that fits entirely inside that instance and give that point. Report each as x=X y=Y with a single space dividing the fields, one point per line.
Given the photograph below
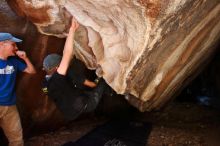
x=147 y=50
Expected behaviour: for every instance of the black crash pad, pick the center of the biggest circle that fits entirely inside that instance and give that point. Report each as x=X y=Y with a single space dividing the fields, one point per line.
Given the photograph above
x=116 y=133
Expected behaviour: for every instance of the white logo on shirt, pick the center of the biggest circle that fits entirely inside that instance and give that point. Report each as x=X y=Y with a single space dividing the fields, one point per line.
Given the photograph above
x=7 y=70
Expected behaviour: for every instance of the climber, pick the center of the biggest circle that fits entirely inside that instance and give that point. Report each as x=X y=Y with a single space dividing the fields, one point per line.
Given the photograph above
x=66 y=83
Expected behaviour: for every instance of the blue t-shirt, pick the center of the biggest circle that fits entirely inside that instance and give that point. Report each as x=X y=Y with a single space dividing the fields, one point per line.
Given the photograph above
x=8 y=72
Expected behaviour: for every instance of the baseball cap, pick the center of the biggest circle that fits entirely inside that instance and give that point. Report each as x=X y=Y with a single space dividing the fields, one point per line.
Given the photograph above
x=51 y=61
x=7 y=36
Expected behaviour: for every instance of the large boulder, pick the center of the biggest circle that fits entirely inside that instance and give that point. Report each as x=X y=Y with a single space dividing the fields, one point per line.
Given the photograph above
x=147 y=50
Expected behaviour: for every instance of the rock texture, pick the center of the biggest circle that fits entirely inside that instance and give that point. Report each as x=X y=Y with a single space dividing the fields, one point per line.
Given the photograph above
x=144 y=49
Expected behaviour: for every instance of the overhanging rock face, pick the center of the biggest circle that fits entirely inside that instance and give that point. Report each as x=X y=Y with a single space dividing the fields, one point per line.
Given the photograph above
x=144 y=49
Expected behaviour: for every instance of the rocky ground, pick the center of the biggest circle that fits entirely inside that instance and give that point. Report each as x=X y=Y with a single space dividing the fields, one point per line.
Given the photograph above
x=178 y=124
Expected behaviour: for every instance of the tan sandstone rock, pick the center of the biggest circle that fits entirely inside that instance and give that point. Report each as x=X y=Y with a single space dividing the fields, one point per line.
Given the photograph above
x=144 y=49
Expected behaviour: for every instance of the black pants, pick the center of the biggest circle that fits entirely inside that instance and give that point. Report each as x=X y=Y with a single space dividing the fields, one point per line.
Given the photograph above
x=95 y=96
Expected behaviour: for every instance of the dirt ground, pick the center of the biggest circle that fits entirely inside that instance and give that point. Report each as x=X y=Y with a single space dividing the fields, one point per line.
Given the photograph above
x=178 y=124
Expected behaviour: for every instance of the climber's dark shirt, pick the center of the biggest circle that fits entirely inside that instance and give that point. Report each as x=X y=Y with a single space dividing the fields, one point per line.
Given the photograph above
x=70 y=100
x=68 y=91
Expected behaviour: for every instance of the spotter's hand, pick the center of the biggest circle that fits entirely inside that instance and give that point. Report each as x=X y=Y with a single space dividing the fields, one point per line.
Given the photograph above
x=21 y=54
